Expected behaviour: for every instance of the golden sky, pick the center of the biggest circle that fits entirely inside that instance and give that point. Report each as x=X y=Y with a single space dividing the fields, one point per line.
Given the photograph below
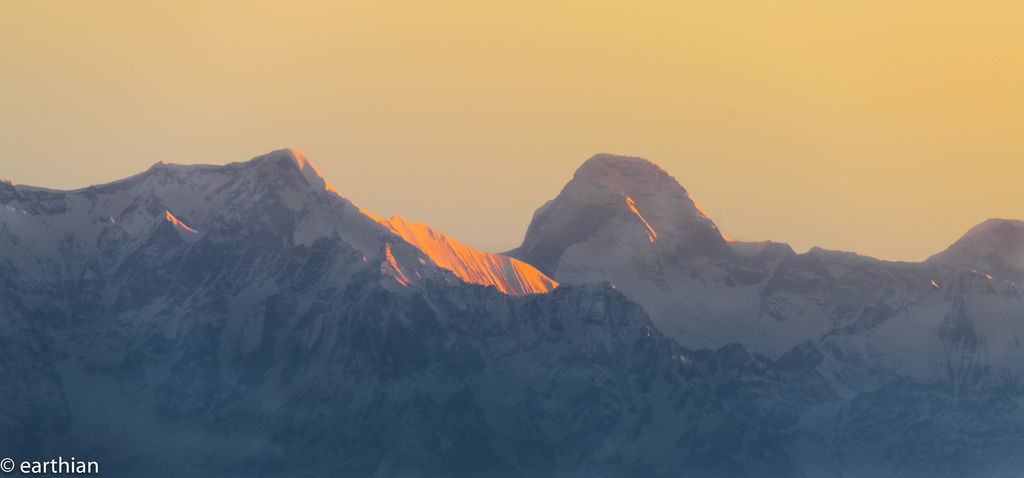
x=884 y=127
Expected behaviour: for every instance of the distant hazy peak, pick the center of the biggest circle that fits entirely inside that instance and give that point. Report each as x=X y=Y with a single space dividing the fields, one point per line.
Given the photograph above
x=992 y=244
x=996 y=228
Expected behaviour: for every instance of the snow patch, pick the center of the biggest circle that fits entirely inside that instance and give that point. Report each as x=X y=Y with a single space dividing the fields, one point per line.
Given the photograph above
x=651 y=235
x=178 y=224
x=391 y=267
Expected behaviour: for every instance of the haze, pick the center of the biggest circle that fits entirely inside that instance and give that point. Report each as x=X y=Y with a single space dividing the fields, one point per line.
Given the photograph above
x=888 y=128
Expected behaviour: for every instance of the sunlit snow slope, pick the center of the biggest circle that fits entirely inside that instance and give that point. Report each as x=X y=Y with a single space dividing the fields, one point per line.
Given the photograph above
x=508 y=275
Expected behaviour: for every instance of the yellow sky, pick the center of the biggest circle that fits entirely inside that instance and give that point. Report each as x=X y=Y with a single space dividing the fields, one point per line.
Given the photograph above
x=885 y=127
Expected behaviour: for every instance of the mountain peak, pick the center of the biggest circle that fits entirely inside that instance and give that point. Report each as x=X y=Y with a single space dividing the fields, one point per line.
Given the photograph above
x=998 y=227
x=627 y=203
x=993 y=244
x=640 y=181
x=271 y=165
x=298 y=159
x=603 y=165
x=627 y=174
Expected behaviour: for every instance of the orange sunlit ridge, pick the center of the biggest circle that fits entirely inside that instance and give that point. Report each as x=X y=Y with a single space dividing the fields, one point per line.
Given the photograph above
x=310 y=172
x=508 y=275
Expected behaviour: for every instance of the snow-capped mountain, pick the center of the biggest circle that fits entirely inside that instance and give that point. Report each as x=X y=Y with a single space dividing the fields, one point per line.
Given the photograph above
x=884 y=335
x=617 y=204
x=248 y=320
x=626 y=221
x=280 y=191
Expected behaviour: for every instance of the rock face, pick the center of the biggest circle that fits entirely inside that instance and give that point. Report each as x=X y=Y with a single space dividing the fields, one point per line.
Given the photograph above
x=247 y=320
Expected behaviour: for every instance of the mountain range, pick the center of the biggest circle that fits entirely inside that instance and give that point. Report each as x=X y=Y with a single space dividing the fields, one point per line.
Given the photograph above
x=249 y=320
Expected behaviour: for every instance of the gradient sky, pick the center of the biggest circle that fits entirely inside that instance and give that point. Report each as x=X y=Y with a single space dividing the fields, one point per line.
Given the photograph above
x=884 y=127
